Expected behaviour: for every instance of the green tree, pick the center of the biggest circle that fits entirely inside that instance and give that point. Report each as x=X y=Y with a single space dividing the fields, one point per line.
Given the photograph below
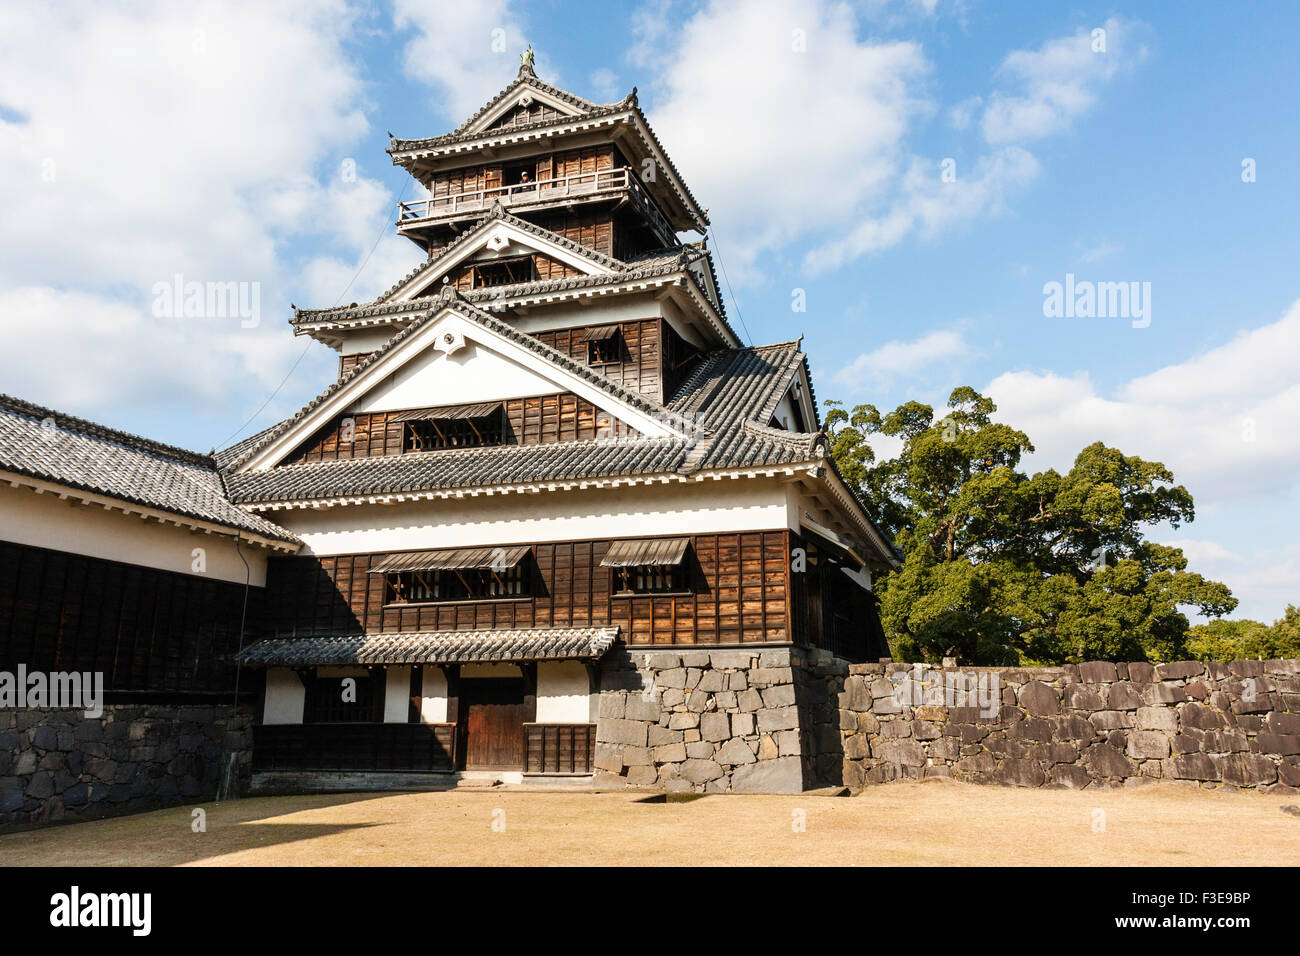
x=1001 y=567
x=1243 y=640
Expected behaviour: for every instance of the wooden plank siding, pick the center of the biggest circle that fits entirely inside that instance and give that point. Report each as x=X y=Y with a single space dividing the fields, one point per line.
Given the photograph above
x=462 y=277
x=738 y=588
x=559 y=748
x=641 y=367
x=536 y=420
x=145 y=629
x=348 y=362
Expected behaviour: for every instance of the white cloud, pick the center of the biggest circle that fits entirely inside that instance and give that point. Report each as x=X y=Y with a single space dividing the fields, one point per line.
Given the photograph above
x=797 y=136
x=466 y=51
x=604 y=84
x=925 y=204
x=1264 y=580
x=150 y=140
x=1223 y=421
x=808 y=122
x=1059 y=81
x=901 y=359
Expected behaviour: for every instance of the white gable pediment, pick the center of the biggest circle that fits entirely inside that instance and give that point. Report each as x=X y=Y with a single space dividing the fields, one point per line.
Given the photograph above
x=452 y=359
x=472 y=373
x=521 y=94
x=496 y=238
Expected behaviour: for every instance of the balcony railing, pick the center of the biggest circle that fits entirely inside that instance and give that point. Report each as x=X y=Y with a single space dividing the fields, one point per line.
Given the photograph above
x=574 y=186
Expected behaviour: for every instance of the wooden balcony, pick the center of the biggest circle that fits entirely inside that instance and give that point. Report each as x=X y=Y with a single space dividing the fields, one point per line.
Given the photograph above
x=612 y=183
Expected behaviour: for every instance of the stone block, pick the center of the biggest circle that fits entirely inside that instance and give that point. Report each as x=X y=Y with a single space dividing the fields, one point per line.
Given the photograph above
x=660 y=736
x=1285 y=745
x=715 y=727
x=1180 y=670
x=735 y=751
x=1019 y=773
x=788 y=743
x=1148 y=745
x=615 y=731
x=711 y=682
x=1039 y=699
x=669 y=753
x=1095 y=672
x=699 y=770
x=780 y=775
x=1194 y=767
x=1157 y=718
x=638 y=708
x=1104 y=760
x=780 y=718
x=781 y=695
x=1247 y=770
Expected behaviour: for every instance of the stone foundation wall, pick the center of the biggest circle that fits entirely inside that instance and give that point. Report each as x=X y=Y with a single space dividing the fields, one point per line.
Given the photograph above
x=1091 y=725
x=57 y=764
x=710 y=721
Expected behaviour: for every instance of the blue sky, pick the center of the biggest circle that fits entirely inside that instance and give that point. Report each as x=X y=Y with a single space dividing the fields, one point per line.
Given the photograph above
x=143 y=141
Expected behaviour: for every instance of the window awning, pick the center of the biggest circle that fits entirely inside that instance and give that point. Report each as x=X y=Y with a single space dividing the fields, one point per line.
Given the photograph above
x=433 y=647
x=479 y=410
x=645 y=551
x=456 y=559
x=602 y=334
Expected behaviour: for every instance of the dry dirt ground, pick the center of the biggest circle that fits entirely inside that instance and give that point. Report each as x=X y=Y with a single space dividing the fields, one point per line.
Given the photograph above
x=935 y=822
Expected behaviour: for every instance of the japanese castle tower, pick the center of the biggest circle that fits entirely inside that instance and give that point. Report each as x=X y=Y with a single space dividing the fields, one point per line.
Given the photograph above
x=553 y=518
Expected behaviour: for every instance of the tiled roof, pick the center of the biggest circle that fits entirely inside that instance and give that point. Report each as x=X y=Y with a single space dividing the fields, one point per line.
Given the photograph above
x=724 y=400
x=434 y=647
x=527 y=77
x=49 y=445
x=498 y=213
x=660 y=263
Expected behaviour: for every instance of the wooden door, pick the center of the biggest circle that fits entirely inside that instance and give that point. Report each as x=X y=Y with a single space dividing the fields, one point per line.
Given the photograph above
x=492 y=715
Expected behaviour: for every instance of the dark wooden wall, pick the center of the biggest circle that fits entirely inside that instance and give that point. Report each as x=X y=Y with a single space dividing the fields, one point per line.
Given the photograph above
x=462 y=277
x=535 y=112
x=640 y=370
x=829 y=610
x=146 y=630
x=739 y=584
x=538 y=420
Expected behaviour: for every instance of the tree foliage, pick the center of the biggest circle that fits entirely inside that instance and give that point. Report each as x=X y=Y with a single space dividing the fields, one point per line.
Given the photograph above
x=1241 y=640
x=1001 y=567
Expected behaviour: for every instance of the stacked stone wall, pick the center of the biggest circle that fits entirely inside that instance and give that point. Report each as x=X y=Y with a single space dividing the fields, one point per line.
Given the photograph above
x=59 y=764
x=1096 y=724
x=710 y=721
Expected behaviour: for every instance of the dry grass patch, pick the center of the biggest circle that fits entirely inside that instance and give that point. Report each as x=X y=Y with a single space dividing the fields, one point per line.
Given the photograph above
x=929 y=823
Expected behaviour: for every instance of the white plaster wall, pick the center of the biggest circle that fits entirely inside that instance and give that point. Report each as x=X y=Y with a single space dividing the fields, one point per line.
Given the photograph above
x=397 y=695
x=433 y=691
x=563 y=693
x=626 y=308
x=366 y=340
x=473 y=373
x=709 y=507
x=285 y=697
x=44 y=521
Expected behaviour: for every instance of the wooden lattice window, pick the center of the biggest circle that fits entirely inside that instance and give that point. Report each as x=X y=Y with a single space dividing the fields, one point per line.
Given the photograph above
x=461 y=584
x=504 y=272
x=650 y=579
x=435 y=434
x=329 y=700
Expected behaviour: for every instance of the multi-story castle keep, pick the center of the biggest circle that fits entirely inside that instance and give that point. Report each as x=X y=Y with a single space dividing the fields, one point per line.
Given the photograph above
x=553 y=517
